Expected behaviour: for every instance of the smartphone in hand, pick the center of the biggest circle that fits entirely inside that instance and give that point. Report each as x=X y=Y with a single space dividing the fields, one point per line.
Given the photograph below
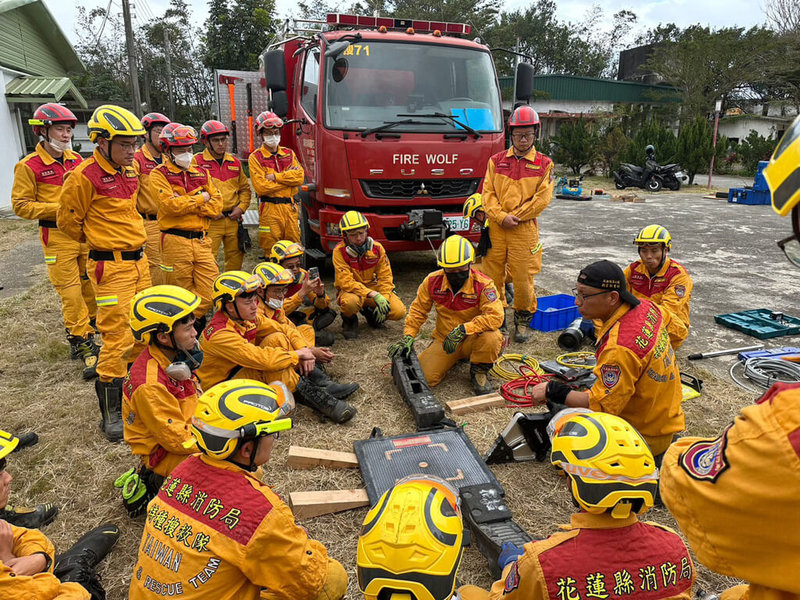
x=313 y=273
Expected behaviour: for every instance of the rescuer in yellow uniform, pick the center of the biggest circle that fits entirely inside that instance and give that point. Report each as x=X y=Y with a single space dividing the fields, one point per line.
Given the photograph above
x=215 y=530
x=38 y=178
x=147 y=158
x=276 y=175
x=229 y=178
x=363 y=281
x=468 y=317
x=98 y=206
x=518 y=186
x=187 y=200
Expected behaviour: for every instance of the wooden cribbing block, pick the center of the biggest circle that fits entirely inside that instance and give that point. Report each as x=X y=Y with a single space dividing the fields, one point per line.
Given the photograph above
x=308 y=458
x=475 y=404
x=313 y=504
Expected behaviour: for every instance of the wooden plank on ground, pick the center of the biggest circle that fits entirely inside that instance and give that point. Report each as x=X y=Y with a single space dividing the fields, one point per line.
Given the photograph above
x=308 y=458
x=313 y=504
x=475 y=404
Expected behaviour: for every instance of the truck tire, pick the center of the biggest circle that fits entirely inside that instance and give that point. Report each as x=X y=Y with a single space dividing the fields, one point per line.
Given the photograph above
x=310 y=241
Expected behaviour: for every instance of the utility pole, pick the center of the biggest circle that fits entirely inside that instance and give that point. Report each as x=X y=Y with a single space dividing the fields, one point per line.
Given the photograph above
x=134 y=71
x=167 y=53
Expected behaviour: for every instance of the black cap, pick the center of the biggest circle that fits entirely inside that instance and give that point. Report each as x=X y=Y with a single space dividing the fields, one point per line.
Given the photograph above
x=606 y=275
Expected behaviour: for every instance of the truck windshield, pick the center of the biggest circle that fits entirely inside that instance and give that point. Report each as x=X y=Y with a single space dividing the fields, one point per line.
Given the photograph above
x=372 y=82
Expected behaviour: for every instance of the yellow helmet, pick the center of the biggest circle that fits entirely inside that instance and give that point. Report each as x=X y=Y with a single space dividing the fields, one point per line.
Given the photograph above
x=273 y=274
x=158 y=308
x=412 y=541
x=234 y=283
x=283 y=249
x=109 y=121
x=472 y=205
x=609 y=463
x=783 y=171
x=455 y=251
x=7 y=444
x=238 y=410
x=351 y=220
x=654 y=234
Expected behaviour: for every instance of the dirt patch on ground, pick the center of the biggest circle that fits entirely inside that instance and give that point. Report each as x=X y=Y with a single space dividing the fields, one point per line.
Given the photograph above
x=73 y=465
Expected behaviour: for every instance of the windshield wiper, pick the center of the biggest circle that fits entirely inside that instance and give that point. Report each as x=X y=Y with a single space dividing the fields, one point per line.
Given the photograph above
x=388 y=125
x=450 y=118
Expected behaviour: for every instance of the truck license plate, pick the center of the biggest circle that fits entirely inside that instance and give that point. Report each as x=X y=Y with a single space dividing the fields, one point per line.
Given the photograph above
x=456 y=223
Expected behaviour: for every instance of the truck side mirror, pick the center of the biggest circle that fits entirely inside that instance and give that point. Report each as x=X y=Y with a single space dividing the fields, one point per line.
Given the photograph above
x=523 y=83
x=336 y=48
x=279 y=104
x=274 y=70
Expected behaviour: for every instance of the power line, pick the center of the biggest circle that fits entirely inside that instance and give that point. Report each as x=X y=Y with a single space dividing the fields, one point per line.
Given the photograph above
x=103 y=24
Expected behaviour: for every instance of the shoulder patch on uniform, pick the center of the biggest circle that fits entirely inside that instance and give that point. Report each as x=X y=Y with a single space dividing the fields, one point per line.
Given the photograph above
x=680 y=291
x=705 y=460
x=512 y=579
x=490 y=293
x=610 y=374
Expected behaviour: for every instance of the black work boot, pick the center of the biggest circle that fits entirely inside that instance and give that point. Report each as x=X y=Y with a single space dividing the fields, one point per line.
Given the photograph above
x=522 y=330
x=322 y=317
x=81 y=572
x=370 y=314
x=509 y=293
x=320 y=400
x=75 y=342
x=338 y=390
x=29 y=518
x=350 y=327
x=504 y=326
x=94 y=545
x=324 y=338
x=109 y=395
x=26 y=440
x=89 y=353
x=479 y=377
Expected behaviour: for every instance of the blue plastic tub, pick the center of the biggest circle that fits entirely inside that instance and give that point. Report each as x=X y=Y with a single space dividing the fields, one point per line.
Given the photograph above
x=746 y=196
x=554 y=313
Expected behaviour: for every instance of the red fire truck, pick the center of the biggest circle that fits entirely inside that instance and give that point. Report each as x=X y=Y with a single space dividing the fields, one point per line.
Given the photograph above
x=395 y=118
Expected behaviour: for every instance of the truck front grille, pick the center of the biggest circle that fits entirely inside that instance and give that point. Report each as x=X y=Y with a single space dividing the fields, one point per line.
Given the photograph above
x=399 y=189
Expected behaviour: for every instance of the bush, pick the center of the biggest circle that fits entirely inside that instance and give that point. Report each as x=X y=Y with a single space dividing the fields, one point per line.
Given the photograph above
x=609 y=148
x=575 y=146
x=652 y=132
x=754 y=148
x=694 y=150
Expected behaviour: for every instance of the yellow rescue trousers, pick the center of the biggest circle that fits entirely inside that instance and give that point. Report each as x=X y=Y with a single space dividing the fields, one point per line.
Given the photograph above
x=153 y=250
x=287 y=376
x=277 y=222
x=479 y=348
x=515 y=252
x=189 y=263
x=350 y=304
x=225 y=232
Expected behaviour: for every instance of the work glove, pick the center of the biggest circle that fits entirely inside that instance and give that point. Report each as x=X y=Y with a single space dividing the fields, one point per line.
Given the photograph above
x=402 y=348
x=382 y=305
x=453 y=339
x=508 y=553
x=555 y=407
x=134 y=492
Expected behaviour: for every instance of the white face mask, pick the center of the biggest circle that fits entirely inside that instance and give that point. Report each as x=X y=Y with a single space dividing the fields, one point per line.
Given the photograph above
x=184 y=160
x=271 y=141
x=60 y=146
x=275 y=304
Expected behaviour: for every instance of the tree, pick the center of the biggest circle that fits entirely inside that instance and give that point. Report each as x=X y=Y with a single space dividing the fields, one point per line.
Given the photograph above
x=694 y=148
x=610 y=146
x=237 y=33
x=754 y=148
x=575 y=145
x=650 y=132
x=481 y=14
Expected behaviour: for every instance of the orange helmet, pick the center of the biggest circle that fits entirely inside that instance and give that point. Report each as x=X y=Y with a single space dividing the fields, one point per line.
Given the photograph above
x=212 y=127
x=268 y=119
x=523 y=116
x=176 y=135
x=154 y=118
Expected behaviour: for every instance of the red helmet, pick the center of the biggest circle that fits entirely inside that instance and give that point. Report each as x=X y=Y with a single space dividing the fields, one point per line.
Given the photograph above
x=210 y=128
x=154 y=118
x=50 y=113
x=523 y=116
x=268 y=119
x=175 y=135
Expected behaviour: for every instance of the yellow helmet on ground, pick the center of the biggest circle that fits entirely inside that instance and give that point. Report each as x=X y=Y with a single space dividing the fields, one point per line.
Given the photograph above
x=783 y=171
x=609 y=463
x=7 y=444
x=412 y=541
x=109 y=121
x=238 y=410
x=472 y=205
x=351 y=220
x=234 y=283
x=283 y=249
x=158 y=308
x=654 y=234
x=455 y=251
x=273 y=274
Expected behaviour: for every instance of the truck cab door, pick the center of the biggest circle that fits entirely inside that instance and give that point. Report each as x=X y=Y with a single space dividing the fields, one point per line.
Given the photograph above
x=308 y=102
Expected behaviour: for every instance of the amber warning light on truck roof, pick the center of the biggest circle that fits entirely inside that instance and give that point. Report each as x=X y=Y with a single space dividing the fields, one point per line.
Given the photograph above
x=399 y=24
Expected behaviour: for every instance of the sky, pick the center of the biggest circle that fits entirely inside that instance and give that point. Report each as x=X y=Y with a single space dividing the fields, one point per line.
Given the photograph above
x=714 y=13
